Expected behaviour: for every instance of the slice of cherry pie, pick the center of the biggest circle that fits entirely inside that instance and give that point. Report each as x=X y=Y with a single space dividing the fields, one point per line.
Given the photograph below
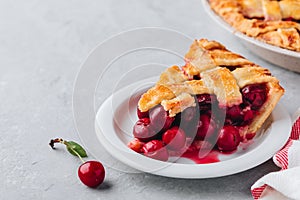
x=276 y=22
x=217 y=100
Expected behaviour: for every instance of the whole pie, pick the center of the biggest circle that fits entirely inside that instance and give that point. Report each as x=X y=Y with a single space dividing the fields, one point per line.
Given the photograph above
x=216 y=100
x=271 y=21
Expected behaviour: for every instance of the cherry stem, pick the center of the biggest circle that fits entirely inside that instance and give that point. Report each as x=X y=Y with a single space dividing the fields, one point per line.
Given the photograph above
x=76 y=153
x=59 y=140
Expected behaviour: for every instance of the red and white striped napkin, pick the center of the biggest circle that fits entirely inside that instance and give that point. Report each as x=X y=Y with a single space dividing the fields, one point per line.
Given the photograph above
x=284 y=184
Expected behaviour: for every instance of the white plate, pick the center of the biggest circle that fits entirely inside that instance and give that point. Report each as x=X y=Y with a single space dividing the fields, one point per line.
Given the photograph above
x=276 y=55
x=117 y=115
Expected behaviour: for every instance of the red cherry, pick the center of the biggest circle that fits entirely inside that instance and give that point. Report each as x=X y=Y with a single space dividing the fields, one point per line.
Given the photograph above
x=206 y=127
x=234 y=114
x=143 y=131
x=141 y=114
x=260 y=99
x=255 y=95
x=159 y=118
x=250 y=136
x=248 y=116
x=187 y=120
x=205 y=98
x=136 y=145
x=156 y=150
x=254 y=88
x=289 y=19
x=229 y=138
x=174 y=138
x=91 y=173
x=188 y=114
x=205 y=101
x=153 y=145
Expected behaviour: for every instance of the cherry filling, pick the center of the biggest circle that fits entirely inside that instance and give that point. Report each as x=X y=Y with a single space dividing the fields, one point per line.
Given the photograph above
x=240 y=115
x=255 y=95
x=157 y=134
x=205 y=102
x=196 y=77
x=229 y=138
x=160 y=119
x=143 y=130
x=174 y=138
x=136 y=145
x=188 y=114
x=155 y=149
x=206 y=127
x=291 y=19
x=187 y=121
x=141 y=114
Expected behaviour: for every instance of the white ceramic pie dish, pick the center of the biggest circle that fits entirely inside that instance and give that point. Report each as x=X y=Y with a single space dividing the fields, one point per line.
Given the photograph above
x=282 y=57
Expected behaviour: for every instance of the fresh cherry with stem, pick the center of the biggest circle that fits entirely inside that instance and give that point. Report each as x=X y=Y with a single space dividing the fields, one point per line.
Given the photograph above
x=91 y=173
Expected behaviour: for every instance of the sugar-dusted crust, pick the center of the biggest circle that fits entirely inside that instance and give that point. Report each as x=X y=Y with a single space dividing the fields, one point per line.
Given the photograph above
x=263 y=19
x=224 y=77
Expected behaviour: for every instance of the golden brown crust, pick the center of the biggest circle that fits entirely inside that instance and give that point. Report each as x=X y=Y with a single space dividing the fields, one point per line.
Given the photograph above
x=289 y=38
x=179 y=103
x=252 y=75
x=290 y=8
x=172 y=75
x=158 y=93
x=172 y=82
x=222 y=83
x=204 y=55
x=262 y=19
x=154 y=96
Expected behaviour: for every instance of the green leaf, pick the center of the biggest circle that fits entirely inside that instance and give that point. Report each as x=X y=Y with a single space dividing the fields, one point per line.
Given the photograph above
x=74 y=148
